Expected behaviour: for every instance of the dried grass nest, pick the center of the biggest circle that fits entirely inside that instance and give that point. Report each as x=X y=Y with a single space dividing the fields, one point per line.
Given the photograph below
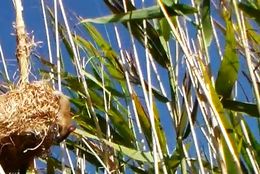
x=28 y=124
x=29 y=108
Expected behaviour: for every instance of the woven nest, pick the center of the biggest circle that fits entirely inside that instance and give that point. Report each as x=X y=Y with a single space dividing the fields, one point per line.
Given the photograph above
x=28 y=123
x=29 y=108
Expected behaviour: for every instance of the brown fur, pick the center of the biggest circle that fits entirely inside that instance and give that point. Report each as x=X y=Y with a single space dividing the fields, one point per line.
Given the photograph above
x=64 y=118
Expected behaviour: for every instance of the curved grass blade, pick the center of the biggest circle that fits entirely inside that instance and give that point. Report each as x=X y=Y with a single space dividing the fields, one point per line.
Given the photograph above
x=144 y=13
x=100 y=41
x=154 y=44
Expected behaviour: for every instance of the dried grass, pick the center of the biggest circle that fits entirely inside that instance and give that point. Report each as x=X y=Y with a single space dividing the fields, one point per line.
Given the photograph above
x=29 y=108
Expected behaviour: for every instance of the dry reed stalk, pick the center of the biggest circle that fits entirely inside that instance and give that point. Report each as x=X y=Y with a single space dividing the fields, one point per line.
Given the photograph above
x=24 y=44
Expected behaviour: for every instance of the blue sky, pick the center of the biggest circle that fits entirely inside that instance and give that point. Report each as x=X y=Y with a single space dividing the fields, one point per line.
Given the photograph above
x=34 y=23
x=33 y=19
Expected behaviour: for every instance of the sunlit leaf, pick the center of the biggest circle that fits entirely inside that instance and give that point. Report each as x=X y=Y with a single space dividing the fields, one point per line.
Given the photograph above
x=168 y=3
x=87 y=45
x=229 y=158
x=229 y=67
x=159 y=130
x=144 y=120
x=144 y=13
x=206 y=21
x=100 y=41
x=165 y=29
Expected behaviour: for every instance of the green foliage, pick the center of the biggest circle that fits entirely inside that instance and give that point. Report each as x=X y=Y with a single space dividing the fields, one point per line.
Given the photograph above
x=251 y=9
x=143 y=14
x=229 y=67
x=206 y=21
x=129 y=131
